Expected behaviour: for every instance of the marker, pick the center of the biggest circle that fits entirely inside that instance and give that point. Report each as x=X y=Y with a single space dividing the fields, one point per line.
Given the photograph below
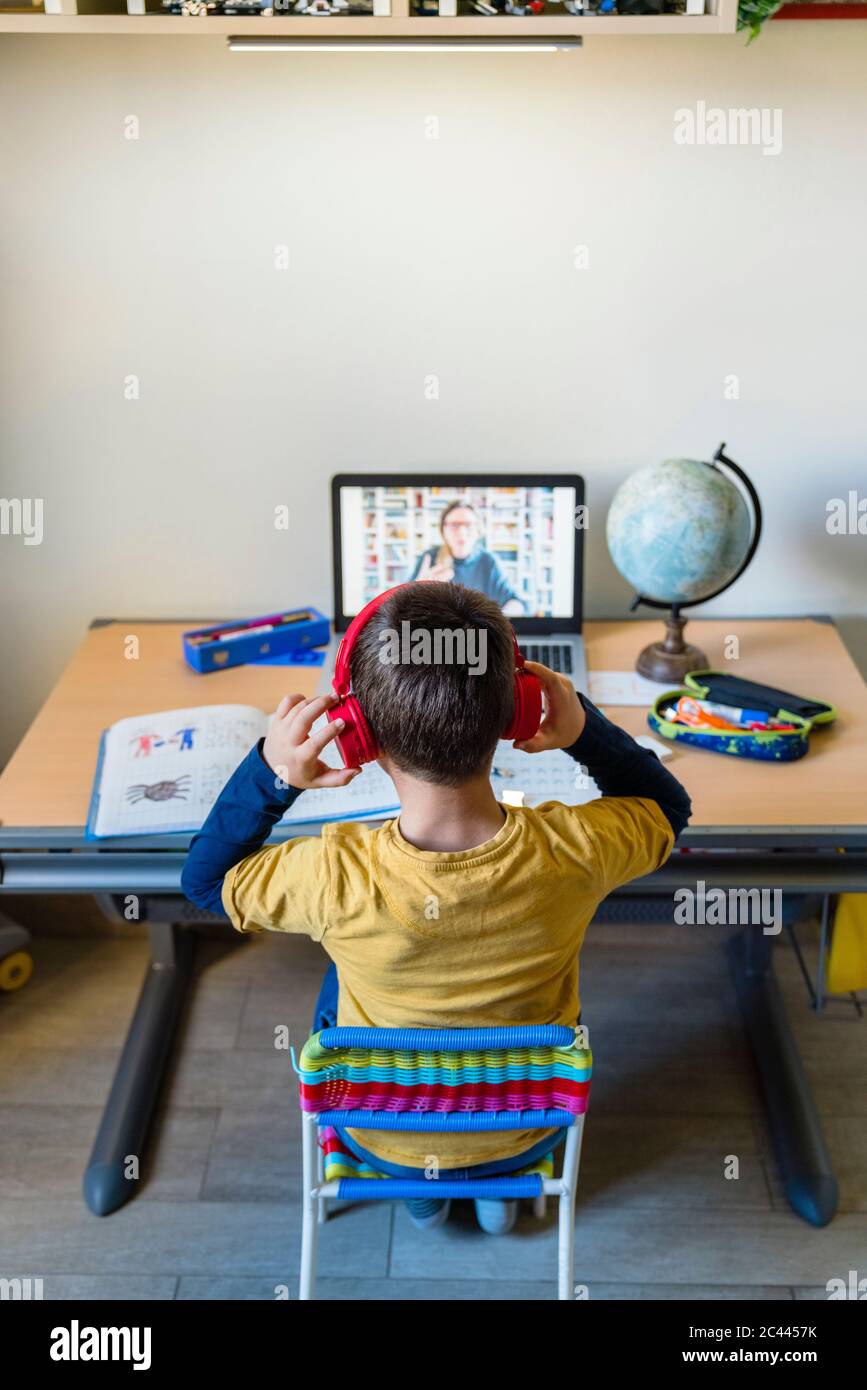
x=229 y=634
x=251 y=629
x=244 y=632
x=737 y=716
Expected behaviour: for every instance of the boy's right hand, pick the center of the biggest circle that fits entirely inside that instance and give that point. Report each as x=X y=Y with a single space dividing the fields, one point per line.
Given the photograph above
x=430 y=571
x=292 y=751
x=564 y=717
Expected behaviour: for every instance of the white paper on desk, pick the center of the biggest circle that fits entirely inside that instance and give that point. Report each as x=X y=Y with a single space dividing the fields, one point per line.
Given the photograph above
x=552 y=776
x=623 y=688
x=654 y=746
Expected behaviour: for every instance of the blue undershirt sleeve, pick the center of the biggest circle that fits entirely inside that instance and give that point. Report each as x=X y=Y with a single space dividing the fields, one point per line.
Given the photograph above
x=621 y=767
x=240 y=821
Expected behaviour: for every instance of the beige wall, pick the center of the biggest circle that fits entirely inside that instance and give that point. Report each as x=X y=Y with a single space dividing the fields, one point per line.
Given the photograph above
x=411 y=257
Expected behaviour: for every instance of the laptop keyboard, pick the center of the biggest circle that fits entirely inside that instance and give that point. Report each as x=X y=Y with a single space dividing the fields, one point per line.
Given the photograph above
x=557 y=656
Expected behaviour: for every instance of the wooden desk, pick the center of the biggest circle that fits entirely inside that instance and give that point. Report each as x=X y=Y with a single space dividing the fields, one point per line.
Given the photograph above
x=46 y=786
x=822 y=797
x=48 y=781
x=787 y=820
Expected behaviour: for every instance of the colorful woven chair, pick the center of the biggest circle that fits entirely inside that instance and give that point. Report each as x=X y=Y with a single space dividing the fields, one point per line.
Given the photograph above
x=440 y=1081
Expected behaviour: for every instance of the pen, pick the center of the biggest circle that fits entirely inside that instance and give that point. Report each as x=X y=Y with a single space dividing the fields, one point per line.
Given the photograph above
x=235 y=633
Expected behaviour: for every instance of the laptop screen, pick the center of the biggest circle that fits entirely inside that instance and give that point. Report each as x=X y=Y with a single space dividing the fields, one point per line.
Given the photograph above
x=515 y=541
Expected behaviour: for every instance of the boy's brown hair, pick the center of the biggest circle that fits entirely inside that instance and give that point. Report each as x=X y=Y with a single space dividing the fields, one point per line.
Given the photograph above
x=438 y=722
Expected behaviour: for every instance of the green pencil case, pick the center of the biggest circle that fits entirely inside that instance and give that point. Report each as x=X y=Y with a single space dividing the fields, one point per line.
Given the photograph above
x=773 y=746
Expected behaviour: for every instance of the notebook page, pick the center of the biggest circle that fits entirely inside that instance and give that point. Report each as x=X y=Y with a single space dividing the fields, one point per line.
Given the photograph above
x=163 y=772
x=551 y=776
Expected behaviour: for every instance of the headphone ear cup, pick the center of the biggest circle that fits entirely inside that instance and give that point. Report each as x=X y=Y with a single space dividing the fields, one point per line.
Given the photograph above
x=528 y=707
x=356 y=742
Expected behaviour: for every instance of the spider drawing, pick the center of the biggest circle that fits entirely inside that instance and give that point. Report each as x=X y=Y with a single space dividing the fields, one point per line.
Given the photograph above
x=173 y=790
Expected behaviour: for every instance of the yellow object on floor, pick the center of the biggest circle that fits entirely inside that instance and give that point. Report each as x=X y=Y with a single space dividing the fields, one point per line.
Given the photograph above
x=15 y=970
x=847 y=958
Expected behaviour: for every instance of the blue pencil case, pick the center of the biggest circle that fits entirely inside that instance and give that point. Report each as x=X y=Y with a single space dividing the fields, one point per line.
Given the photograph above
x=255 y=639
x=721 y=688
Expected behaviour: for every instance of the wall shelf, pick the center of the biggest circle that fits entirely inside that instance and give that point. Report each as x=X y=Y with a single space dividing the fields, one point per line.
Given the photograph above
x=557 y=21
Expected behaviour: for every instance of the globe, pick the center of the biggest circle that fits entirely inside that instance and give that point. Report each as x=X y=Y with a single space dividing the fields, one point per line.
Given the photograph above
x=678 y=531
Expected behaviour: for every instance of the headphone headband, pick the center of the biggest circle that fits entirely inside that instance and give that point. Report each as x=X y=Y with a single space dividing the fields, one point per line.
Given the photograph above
x=342 y=678
x=356 y=741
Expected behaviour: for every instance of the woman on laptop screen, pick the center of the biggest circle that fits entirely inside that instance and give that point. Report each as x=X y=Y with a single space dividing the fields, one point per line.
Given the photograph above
x=463 y=558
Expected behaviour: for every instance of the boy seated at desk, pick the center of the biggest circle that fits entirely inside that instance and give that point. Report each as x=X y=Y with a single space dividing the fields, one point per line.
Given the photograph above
x=514 y=887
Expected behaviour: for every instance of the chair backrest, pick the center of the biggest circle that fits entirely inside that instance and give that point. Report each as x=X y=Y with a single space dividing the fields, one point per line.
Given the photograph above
x=446 y=1079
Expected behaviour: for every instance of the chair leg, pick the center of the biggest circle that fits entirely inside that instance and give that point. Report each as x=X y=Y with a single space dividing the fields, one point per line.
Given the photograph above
x=322 y=1202
x=309 y=1224
x=566 y=1248
x=540 y=1204
x=566 y=1253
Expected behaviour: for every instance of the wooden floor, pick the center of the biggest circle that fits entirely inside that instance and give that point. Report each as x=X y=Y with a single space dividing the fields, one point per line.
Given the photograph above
x=674 y=1095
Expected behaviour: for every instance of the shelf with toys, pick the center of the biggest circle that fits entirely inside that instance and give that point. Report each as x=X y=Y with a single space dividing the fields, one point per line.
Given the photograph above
x=380 y=21
x=567 y=9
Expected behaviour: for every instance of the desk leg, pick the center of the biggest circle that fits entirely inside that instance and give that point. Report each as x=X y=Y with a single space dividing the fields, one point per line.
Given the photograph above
x=123 y=1131
x=805 y=1165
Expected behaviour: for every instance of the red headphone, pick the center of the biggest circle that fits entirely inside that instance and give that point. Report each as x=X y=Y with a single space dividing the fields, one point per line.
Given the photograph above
x=356 y=742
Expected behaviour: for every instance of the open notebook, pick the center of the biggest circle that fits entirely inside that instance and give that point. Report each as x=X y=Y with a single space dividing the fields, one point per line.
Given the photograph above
x=159 y=773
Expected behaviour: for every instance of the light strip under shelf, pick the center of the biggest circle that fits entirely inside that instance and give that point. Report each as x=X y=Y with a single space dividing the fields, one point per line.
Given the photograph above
x=495 y=44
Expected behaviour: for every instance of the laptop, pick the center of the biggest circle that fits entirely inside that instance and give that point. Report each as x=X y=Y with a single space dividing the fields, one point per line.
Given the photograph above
x=513 y=536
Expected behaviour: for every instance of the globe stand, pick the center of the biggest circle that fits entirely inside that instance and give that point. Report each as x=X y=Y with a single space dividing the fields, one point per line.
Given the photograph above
x=670 y=660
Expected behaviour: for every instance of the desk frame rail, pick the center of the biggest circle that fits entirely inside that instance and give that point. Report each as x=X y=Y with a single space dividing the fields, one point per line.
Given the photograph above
x=159 y=871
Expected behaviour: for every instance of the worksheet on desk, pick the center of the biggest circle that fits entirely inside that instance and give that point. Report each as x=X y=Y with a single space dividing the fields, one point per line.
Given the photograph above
x=551 y=776
x=538 y=777
x=525 y=778
x=163 y=772
x=624 y=688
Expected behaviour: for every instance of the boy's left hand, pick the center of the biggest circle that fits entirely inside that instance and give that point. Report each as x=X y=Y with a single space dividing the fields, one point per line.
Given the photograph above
x=564 y=717
x=292 y=752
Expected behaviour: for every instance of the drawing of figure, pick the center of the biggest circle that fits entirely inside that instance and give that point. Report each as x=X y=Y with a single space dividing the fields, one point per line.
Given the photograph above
x=146 y=744
x=174 y=789
x=186 y=737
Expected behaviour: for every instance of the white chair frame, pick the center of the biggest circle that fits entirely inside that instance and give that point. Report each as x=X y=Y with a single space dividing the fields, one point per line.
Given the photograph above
x=316 y=1193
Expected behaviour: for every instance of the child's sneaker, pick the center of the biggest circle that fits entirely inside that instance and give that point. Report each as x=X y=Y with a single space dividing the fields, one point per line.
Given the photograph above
x=495 y=1216
x=426 y=1213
